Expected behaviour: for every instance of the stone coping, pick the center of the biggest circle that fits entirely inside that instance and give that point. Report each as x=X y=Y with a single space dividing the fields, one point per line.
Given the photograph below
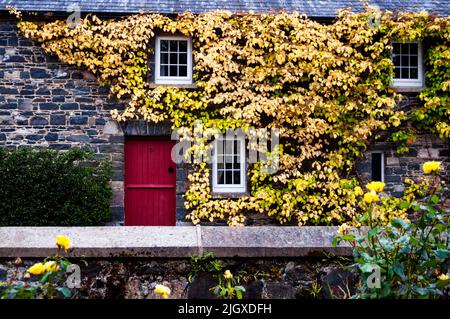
x=173 y=242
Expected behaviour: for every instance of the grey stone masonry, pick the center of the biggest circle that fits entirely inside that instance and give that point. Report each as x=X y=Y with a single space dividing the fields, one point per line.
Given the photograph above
x=44 y=102
x=174 y=242
x=398 y=167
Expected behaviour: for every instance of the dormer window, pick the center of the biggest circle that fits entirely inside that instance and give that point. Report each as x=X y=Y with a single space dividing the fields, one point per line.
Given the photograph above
x=173 y=60
x=407 y=59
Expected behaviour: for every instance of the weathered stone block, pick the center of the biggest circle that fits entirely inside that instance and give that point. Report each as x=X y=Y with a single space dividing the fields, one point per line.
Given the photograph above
x=43 y=91
x=59 y=91
x=393 y=179
x=428 y=153
x=38 y=121
x=51 y=137
x=58 y=120
x=392 y=161
x=278 y=290
x=78 y=120
x=58 y=98
x=38 y=73
x=78 y=138
x=8 y=90
x=70 y=106
x=48 y=106
x=25 y=75
x=112 y=127
x=100 y=121
x=200 y=287
x=34 y=137
x=298 y=273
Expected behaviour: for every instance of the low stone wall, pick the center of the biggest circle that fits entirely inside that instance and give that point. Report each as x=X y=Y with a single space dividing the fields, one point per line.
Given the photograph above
x=128 y=262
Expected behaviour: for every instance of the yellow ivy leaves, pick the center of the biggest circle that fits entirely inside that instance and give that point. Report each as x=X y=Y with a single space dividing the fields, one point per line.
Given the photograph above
x=326 y=87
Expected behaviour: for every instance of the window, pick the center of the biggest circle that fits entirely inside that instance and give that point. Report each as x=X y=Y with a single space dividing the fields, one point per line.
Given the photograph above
x=229 y=165
x=173 y=60
x=407 y=59
x=378 y=167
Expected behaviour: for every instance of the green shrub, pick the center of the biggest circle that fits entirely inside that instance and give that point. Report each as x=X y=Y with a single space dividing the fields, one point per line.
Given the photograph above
x=41 y=187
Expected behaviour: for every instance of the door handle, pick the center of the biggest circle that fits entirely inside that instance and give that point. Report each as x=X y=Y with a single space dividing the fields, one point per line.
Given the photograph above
x=170 y=170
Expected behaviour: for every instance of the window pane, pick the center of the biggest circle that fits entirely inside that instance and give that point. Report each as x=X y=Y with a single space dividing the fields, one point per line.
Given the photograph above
x=182 y=58
x=397 y=73
x=413 y=60
x=377 y=167
x=228 y=177
x=405 y=48
x=413 y=48
x=220 y=166
x=173 y=70
x=220 y=177
x=396 y=59
x=236 y=177
x=405 y=60
x=413 y=73
x=173 y=58
x=228 y=165
x=164 y=70
x=173 y=46
x=228 y=148
x=164 y=45
x=405 y=73
x=182 y=46
x=229 y=159
x=182 y=71
x=164 y=58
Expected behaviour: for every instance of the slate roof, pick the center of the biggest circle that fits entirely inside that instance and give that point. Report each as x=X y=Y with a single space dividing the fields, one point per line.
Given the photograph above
x=313 y=8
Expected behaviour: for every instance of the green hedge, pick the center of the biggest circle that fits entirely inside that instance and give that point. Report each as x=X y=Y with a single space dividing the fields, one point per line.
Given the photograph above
x=40 y=187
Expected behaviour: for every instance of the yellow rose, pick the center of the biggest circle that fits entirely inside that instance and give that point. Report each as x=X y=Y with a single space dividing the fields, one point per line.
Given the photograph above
x=51 y=266
x=358 y=191
x=343 y=229
x=375 y=186
x=62 y=242
x=409 y=181
x=371 y=197
x=431 y=167
x=443 y=277
x=228 y=274
x=37 y=269
x=163 y=291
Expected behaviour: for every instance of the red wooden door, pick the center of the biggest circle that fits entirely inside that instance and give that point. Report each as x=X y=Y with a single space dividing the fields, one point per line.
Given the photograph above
x=150 y=182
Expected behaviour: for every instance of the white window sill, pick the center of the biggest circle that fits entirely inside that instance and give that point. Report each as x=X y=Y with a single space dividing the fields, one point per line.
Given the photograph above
x=408 y=89
x=177 y=85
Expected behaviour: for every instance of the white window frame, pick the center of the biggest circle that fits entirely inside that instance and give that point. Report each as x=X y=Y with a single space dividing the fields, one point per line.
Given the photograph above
x=411 y=82
x=234 y=188
x=172 y=79
x=382 y=166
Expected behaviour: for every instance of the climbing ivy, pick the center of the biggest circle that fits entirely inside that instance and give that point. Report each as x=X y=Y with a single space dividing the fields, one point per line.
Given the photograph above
x=326 y=87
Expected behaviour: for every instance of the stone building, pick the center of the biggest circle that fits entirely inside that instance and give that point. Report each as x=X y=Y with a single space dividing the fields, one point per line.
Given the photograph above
x=48 y=104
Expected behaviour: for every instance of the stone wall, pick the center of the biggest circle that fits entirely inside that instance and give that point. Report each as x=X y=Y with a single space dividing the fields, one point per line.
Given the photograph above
x=127 y=262
x=263 y=278
x=424 y=148
x=398 y=167
x=46 y=103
